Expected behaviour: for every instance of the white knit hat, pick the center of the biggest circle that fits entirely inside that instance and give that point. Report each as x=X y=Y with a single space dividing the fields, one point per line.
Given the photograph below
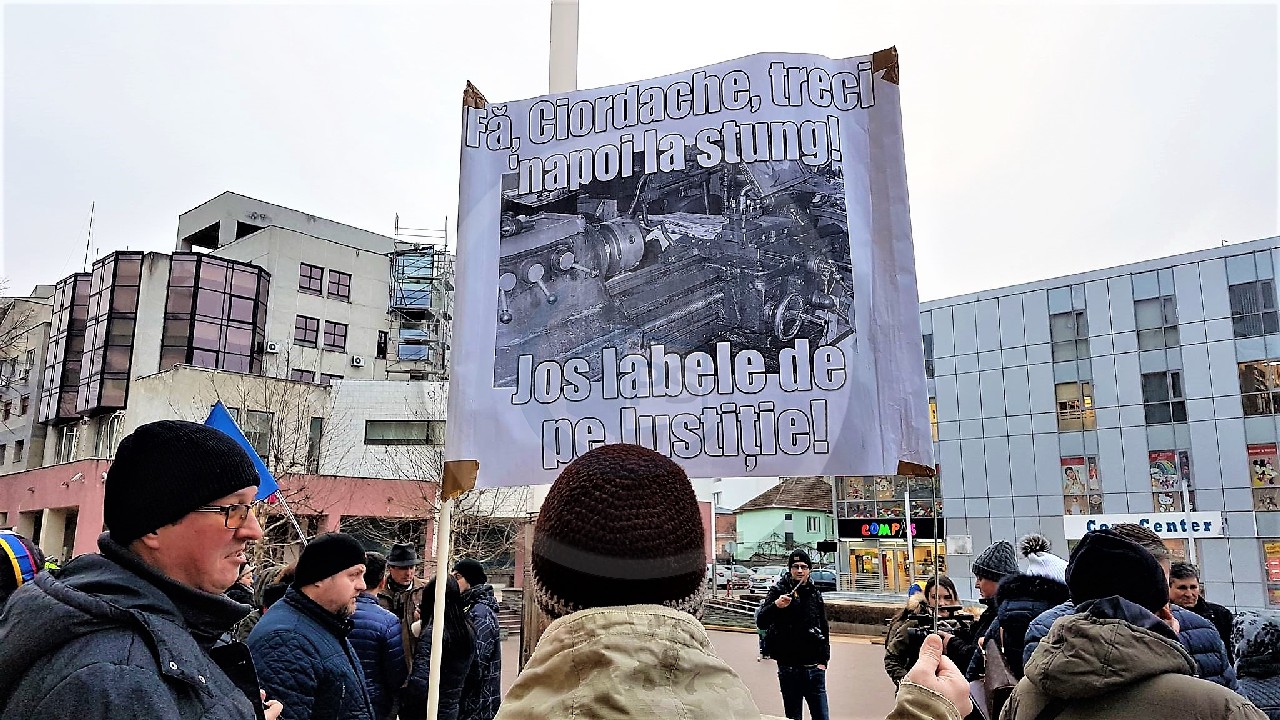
x=1041 y=562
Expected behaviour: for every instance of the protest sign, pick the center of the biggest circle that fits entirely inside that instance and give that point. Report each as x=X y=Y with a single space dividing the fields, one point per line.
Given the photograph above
x=716 y=264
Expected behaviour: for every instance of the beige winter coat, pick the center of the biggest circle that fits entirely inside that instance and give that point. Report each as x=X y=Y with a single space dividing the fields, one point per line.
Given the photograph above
x=1106 y=668
x=634 y=661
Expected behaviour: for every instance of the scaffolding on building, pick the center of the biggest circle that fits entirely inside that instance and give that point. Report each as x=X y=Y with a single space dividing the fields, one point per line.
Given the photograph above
x=421 y=303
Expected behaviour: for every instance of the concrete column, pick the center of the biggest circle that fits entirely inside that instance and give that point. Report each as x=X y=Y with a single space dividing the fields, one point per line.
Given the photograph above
x=562 y=70
x=52 y=529
x=25 y=524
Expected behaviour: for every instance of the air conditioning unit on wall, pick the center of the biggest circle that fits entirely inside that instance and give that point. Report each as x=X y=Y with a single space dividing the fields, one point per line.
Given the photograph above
x=357 y=361
x=272 y=346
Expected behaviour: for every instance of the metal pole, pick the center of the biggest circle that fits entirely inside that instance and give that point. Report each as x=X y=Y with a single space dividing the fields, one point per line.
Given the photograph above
x=906 y=504
x=1186 y=518
x=562 y=62
x=437 y=622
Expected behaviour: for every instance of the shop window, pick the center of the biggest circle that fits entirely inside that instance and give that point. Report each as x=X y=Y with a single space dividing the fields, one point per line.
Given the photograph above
x=306 y=330
x=1264 y=477
x=928 y=355
x=1253 y=308
x=1260 y=386
x=302 y=375
x=1081 y=486
x=257 y=430
x=1075 y=406
x=1171 y=482
x=335 y=336
x=1157 y=322
x=1069 y=333
x=310 y=278
x=1162 y=397
x=340 y=285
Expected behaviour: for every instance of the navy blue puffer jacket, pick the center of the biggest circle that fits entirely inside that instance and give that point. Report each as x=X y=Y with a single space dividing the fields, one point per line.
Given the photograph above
x=1197 y=635
x=304 y=660
x=375 y=635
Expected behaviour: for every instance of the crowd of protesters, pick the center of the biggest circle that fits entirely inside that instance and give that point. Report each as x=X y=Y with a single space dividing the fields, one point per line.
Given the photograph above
x=168 y=620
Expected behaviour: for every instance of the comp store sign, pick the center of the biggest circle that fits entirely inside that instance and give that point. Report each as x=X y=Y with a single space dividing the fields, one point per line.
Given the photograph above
x=1167 y=525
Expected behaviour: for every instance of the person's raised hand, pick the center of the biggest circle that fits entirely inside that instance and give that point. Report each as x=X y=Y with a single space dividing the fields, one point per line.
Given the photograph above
x=936 y=672
x=783 y=601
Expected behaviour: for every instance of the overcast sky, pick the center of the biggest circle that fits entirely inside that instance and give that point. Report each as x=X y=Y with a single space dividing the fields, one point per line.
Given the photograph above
x=1040 y=140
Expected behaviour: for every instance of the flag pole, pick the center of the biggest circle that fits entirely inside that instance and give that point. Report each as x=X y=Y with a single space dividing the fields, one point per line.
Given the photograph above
x=437 y=616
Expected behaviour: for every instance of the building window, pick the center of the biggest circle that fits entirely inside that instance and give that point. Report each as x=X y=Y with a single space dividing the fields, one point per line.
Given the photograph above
x=1162 y=399
x=1081 y=487
x=340 y=285
x=314 y=434
x=1264 y=477
x=24 y=404
x=257 y=430
x=928 y=354
x=109 y=434
x=813 y=524
x=310 y=278
x=1260 y=386
x=1170 y=472
x=1069 y=332
x=383 y=337
x=328 y=378
x=335 y=336
x=67 y=440
x=306 y=330
x=8 y=409
x=1253 y=308
x=215 y=314
x=18 y=447
x=3 y=450
x=1075 y=406
x=1157 y=322
x=302 y=375
x=404 y=432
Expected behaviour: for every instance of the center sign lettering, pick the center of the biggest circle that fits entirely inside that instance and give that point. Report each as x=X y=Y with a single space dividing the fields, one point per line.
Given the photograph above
x=1166 y=525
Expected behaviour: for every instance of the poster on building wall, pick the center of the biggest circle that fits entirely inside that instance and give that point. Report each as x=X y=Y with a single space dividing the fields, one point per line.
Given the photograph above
x=1263 y=465
x=1170 y=472
x=1081 y=487
x=716 y=264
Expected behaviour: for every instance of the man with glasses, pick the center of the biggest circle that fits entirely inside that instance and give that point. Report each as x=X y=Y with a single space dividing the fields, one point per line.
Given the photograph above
x=129 y=632
x=794 y=621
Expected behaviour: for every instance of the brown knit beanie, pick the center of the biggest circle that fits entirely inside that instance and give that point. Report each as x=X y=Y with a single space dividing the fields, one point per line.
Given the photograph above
x=620 y=526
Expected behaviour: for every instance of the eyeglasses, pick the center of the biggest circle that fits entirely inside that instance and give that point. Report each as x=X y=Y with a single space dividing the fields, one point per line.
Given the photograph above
x=799 y=566
x=233 y=516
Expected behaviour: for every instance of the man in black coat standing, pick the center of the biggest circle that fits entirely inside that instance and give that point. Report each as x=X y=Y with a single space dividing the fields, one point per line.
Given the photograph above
x=1184 y=591
x=794 y=621
x=129 y=632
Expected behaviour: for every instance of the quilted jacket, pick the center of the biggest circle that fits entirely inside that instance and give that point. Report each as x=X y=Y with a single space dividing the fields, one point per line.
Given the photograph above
x=375 y=635
x=304 y=660
x=1196 y=634
x=111 y=638
x=482 y=691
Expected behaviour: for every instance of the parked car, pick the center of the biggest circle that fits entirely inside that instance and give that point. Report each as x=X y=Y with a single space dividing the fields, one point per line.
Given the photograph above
x=742 y=572
x=724 y=575
x=765 y=577
x=824 y=580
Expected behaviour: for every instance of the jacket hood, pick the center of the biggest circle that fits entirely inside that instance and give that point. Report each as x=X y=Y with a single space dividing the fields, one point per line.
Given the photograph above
x=634 y=661
x=1032 y=587
x=480 y=595
x=1110 y=643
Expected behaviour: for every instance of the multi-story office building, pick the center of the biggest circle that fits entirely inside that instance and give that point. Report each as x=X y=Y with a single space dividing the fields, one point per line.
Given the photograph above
x=266 y=309
x=1146 y=393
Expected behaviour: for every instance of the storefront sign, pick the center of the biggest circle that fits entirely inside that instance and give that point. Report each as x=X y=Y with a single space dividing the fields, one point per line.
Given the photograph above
x=1166 y=525
x=890 y=528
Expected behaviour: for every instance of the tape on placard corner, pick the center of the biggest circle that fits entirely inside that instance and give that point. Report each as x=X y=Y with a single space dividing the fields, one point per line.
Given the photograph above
x=472 y=97
x=914 y=469
x=886 y=60
x=459 y=477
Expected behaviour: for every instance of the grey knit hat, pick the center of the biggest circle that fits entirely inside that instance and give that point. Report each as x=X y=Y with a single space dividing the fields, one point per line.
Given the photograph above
x=996 y=561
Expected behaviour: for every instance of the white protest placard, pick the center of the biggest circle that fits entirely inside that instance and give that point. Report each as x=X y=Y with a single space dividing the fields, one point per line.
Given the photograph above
x=716 y=264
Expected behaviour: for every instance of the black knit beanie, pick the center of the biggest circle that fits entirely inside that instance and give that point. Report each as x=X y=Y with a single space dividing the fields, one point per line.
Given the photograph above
x=471 y=571
x=798 y=556
x=1104 y=564
x=620 y=526
x=166 y=469
x=325 y=556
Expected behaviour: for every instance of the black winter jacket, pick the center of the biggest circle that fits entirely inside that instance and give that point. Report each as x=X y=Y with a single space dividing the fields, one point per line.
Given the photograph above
x=1019 y=601
x=797 y=634
x=1221 y=619
x=375 y=636
x=304 y=661
x=455 y=663
x=482 y=691
x=111 y=638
